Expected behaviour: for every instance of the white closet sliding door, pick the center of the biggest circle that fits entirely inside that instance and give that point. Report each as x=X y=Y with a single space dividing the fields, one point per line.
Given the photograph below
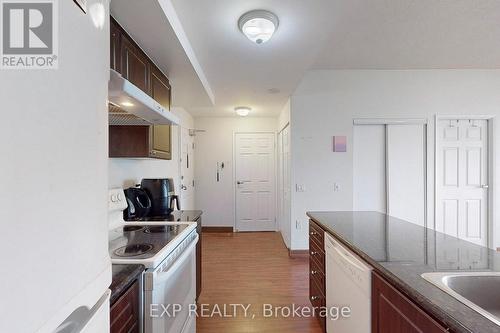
x=369 y=182
x=389 y=170
x=406 y=172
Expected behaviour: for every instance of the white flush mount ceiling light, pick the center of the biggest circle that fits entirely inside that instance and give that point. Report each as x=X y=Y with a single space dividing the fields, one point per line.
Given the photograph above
x=258 y=25
x=242 y=111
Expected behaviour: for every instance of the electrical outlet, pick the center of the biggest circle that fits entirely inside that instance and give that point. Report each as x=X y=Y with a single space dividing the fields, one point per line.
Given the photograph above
x=298 y=225
x=336 y=187
x=300 y=188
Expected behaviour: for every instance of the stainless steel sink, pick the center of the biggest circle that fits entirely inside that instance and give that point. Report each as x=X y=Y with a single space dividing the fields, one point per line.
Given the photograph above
x=478 y=290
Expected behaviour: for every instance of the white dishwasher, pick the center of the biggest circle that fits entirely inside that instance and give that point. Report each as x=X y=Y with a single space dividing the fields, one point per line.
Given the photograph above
x=348 y=283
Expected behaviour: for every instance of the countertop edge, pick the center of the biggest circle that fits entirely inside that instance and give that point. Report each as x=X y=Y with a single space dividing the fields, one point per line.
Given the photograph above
x=433 y=310
x=122 y=281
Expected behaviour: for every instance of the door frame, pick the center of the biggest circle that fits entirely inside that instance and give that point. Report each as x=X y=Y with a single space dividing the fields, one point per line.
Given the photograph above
x=279 y=179
x=281 y=224
x=180 y=159
x=491 y=170
x=274 y=133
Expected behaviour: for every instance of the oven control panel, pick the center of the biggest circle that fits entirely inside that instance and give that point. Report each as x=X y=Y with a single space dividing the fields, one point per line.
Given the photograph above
x=116 y=200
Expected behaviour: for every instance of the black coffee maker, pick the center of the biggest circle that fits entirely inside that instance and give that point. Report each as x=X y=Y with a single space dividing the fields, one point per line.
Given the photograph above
x=162 y=194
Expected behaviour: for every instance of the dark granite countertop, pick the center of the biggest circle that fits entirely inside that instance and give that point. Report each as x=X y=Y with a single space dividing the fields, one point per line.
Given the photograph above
x=123 y=277
x=401 y=251
x=186 y=215
x=176 y=216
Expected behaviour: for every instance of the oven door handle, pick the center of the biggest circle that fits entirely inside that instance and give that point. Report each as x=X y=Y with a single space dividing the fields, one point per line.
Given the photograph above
x=162 y=276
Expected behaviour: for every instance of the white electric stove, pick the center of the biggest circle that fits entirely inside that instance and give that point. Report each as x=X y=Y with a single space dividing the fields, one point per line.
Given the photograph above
x=167 y=250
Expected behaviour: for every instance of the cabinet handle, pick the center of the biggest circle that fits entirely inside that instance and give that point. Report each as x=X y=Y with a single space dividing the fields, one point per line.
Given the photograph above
x=314 y=298
x=312 y=233
x=314 y=272
x=313 y=253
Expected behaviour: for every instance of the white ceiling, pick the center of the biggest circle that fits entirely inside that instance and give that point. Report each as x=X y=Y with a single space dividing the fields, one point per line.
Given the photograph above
x=322 y=34
x=413 y=34
x=241 y=72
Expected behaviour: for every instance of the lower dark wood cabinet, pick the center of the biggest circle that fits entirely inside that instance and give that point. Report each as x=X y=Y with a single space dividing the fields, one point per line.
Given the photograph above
x=317 y=270
x=392 y=312
x=124 y=316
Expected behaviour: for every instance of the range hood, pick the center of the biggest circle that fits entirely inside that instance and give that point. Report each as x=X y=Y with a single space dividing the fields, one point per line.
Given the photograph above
x=129 y=105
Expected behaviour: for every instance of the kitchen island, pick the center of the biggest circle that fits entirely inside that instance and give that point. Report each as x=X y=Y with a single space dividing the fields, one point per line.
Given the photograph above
x=399 y=253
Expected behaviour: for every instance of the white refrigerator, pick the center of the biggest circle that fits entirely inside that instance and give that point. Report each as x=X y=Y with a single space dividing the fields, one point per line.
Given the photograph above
x=54 y=241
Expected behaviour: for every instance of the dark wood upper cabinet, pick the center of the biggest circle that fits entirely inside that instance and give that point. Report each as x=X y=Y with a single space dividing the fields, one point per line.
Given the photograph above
x=392 y=312
x=135 y=65
x=160 y=87
x=160 y=135
x=127 y=58
x=115 y=51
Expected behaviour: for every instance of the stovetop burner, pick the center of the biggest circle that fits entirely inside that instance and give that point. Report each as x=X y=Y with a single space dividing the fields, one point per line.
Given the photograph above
x=134 y=243
x=133 y=250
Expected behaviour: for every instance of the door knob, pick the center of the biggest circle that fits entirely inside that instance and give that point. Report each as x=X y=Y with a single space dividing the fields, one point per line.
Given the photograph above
x=239 y=182
x=485 y=186
x=183 y=187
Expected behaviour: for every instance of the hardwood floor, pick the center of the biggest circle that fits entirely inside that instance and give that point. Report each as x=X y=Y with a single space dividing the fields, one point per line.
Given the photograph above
x=255 y=269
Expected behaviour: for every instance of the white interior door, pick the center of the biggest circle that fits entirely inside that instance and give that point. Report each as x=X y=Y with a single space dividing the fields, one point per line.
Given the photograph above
x=255 y=181
x=462 y=179
x=187 y=170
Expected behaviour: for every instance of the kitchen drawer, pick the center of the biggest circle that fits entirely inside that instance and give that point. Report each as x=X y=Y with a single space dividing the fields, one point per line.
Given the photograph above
x=317 y=298
x=316 y=233
x=316 y=253
x=318 y=301
x=314 y=245
x=317 y=274
x=124 y=314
